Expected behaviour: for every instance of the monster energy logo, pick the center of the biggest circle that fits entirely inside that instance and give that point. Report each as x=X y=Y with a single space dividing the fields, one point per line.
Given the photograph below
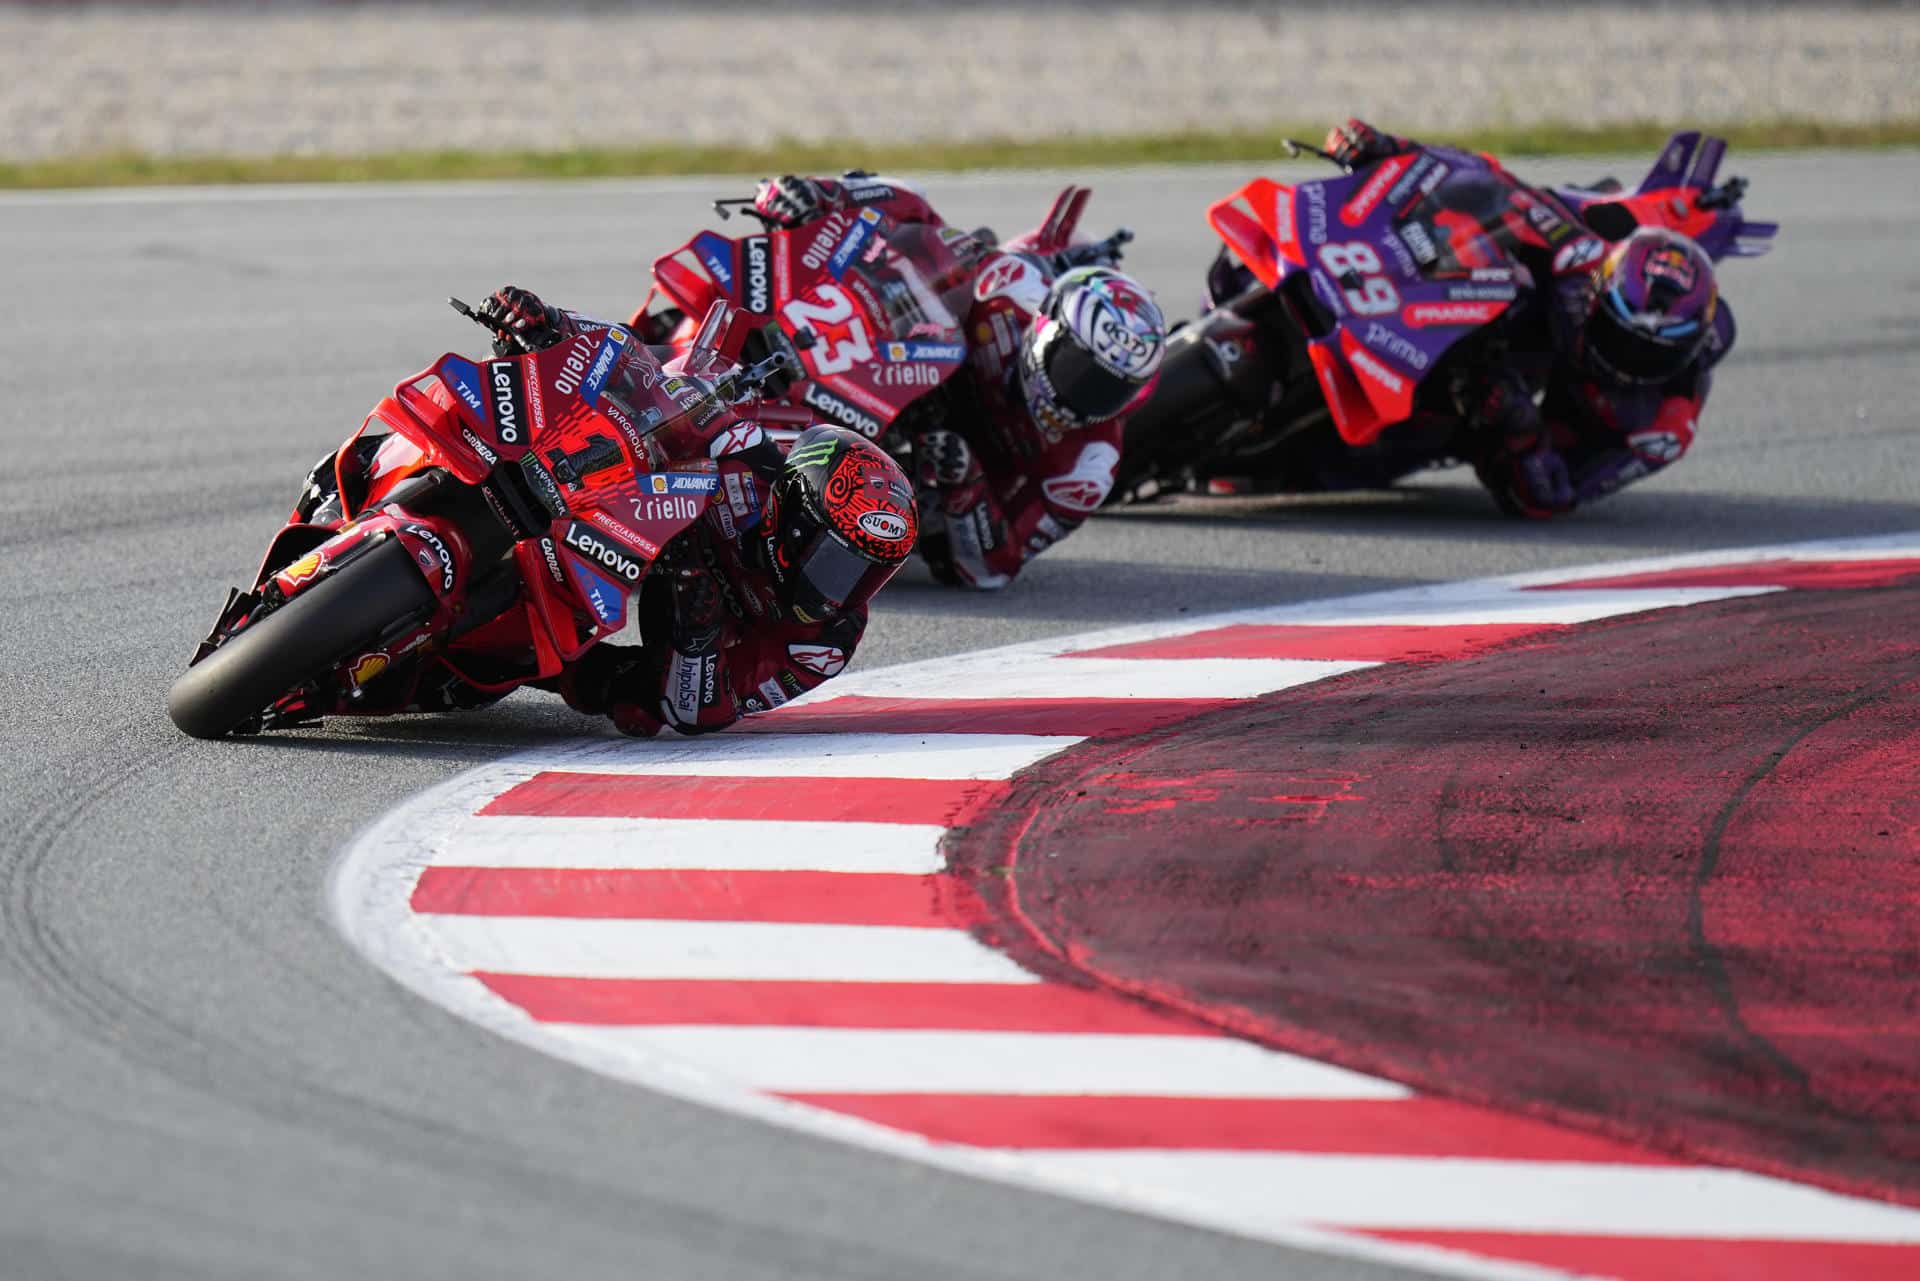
x=820 y=451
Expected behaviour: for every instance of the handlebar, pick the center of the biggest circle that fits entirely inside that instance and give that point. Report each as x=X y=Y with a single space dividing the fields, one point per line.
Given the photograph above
x=1724 y=196
x=1100 y=251
x=750 y=380
x=517 y=340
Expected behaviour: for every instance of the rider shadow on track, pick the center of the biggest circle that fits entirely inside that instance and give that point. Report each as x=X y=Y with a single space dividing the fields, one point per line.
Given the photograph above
x=1653 y=519
x=1102 y=592
x=525 y=718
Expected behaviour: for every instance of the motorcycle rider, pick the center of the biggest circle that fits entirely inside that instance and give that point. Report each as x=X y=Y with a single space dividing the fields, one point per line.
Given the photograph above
x=1596 y=376
x=1012 y=454
x=761 y=600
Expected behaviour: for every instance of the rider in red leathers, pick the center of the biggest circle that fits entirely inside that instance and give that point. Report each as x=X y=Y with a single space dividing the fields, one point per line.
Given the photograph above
x=761 y=600
x=1596 y=376
x=1012 y=454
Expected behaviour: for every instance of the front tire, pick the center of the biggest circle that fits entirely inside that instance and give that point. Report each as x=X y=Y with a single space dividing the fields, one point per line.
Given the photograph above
x=1193 y=406
x=297 y=642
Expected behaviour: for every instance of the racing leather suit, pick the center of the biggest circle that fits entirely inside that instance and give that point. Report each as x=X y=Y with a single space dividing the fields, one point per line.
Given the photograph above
x=715 y=644
x=1556 y=433
x=1025 y=484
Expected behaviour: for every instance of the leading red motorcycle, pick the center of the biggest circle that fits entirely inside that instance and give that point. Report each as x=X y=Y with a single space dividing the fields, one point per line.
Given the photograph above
x=495 y=518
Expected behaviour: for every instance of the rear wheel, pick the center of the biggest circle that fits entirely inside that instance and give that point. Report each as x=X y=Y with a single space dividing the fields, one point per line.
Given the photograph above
x=297 y=642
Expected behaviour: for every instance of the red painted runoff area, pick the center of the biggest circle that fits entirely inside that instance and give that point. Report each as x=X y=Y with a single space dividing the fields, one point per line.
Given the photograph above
x=1658 y=879
x=687 y=894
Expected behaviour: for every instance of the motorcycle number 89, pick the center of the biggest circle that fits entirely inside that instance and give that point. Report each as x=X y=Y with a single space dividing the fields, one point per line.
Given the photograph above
x=1357 y=269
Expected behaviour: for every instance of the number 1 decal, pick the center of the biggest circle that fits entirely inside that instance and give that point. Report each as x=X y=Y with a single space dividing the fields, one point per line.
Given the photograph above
x=841 y=336
x=1375 y=295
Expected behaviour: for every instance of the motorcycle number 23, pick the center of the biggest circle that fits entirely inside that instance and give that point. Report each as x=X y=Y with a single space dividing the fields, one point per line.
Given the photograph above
x=1357 y=269
x=841 y=339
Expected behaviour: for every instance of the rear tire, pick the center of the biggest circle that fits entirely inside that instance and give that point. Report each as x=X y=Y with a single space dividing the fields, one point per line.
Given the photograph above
x=297 y=642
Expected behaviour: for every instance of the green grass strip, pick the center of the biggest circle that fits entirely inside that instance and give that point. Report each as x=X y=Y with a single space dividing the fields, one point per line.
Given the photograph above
x=1252 y=147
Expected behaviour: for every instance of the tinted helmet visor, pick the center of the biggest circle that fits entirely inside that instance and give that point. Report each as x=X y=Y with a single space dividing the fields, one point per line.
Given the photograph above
x=829 y=577
x=1638 y=355
x=1081 y=385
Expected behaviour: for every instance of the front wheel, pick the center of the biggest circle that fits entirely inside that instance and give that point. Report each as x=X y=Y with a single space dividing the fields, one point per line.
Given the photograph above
x=1196 y=401
x=301 y=640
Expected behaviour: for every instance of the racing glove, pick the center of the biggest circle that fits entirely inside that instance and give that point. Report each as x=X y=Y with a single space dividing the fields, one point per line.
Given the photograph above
x=942 y=460
x=605 y=681
x=519 y=320
x=790 y=200
x=1539 y=482
x=698 y=611
x=1357 y=144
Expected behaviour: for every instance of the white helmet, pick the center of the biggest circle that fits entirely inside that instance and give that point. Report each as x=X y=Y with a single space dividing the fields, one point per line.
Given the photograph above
x=1096 y=341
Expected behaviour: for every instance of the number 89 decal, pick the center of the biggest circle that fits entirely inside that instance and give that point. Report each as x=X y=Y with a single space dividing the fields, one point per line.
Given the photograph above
x=1372 y=294
x=840 y=336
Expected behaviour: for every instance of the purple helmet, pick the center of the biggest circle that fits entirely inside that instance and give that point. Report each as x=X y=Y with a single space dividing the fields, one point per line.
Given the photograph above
x=1652 y=309
x=1096 y=341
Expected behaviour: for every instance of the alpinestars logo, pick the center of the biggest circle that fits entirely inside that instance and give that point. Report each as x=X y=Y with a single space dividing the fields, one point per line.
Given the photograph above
x=759 y=293
x=821 y=660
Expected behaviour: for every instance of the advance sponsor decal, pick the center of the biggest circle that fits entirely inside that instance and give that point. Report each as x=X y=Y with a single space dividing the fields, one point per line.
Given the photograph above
x=587 y=367
x=678 y=482
x=938 y=351
x=855 y=241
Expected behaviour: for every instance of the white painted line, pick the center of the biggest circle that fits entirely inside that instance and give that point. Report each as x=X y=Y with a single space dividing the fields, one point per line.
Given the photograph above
x=865 y=1061
x=1439 y=608
x=939 y=756
x=699 y=844
x=1248 y=1188
x=994 y=675
x=745 y=950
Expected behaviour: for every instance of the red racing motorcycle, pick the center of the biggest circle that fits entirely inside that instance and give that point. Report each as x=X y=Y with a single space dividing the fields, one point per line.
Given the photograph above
x=874 y=313
x=494 y=518
x=1336 y=298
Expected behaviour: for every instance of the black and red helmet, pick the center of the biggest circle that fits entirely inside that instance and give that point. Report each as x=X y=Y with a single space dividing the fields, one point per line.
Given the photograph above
x=841 y=522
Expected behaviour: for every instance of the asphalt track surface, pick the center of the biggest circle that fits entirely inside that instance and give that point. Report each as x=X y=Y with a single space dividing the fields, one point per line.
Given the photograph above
x=198 y=1078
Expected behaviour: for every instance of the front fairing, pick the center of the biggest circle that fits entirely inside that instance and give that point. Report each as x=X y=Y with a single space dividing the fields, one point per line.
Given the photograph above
x=1380 y=286
x=870 y=309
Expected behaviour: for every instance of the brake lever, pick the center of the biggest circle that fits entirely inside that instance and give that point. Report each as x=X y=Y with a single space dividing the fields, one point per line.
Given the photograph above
x=1296 y=149
x=499 y=334
x=743 y=204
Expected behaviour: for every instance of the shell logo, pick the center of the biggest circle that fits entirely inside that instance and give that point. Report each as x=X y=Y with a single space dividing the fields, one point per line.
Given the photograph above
x=303 y=569
x=367 y=668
